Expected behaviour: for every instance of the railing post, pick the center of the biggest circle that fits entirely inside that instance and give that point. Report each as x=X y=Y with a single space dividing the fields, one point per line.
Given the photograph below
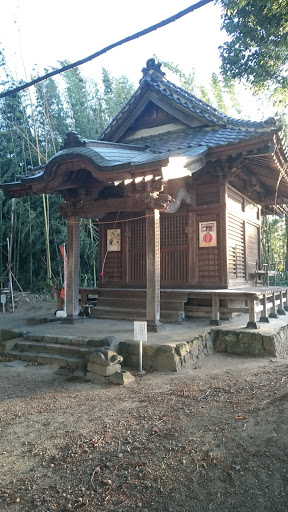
x=273 y=313
x=264 y=312
x=215 y=320
x=281 y=310
x=286 y=300
x=252 y=324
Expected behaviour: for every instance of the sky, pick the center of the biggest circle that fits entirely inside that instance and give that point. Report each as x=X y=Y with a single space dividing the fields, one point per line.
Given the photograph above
x=37 y=34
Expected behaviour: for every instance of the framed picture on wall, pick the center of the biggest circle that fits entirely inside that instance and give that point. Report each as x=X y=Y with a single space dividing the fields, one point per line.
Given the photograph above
x=113 y=240
x=208 y=234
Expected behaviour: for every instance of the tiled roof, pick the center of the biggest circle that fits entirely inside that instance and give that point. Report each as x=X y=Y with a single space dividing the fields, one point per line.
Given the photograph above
x=155 y=81
x=109 y=159
x=210 y=137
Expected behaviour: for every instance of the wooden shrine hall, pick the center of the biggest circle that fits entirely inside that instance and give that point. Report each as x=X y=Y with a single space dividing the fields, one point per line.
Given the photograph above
x=178 y=189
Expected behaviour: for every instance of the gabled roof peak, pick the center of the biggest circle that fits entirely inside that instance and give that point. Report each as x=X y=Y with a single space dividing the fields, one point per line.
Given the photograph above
x=152 y=67
x=179 y=103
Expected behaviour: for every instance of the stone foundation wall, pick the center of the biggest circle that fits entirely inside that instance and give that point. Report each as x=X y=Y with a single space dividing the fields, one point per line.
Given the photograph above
x=166 y=357
x=258 y=343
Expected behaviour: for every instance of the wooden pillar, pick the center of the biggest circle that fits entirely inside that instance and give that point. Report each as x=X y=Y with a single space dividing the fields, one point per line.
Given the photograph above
x=285 y=298
x=264 y=313
x=281 y=310
x=73 y=267
x=215 y=310
x=252 y=323
x=153 y=271
x=273 y=313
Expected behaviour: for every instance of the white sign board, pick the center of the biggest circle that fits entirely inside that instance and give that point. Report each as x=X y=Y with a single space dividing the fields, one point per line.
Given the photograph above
x=3 y=299
x=140 y=331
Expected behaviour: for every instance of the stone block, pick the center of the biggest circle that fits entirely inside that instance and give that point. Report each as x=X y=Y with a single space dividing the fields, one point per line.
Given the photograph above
x=181 y=349
x=132 y=361
x=93 y=377
x=46 y=359
x=123 y=377
x=6 y=345
x=105 y=371
x=128 y=347
x=105 y=357
x=167 y=360
x=63 y=339
x=148 y=350
x=31 y=356
x=50 y=339
x=52 y=349
x=33 y=337
x=194 y=347
x=80 y=372
x=6 y=334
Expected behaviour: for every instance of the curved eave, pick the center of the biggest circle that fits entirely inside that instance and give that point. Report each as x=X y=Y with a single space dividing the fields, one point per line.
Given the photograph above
x=54 y=177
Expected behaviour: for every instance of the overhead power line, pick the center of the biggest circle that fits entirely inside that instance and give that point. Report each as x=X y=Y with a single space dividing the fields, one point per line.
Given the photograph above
x=142 y=33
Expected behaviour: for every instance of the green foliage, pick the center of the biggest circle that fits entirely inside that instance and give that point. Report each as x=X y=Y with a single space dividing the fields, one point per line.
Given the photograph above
x=186 y=81
x=257 y=48
x=217 y=89
x=220 y=92
x=32 y=128
x=116 y=92
x=51 y=116
x=274 y=245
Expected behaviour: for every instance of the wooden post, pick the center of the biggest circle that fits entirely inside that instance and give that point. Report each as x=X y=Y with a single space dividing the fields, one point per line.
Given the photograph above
x=215 y=310
x=153 y=271
x=273 y=313
x=286 y=300
x=264 y=312
x=73 y=267
x=281 y=310
x=252 y=323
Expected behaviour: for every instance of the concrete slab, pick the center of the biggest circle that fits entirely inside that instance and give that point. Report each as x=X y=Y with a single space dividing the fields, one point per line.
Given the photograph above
x=124 y=330
x=174 y=347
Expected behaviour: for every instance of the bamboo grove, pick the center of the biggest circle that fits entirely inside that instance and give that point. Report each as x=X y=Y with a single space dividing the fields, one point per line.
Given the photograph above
x=33 y=125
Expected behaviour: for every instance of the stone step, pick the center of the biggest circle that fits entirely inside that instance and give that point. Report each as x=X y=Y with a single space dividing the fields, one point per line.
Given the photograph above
x=66 y=340
x=54 y=348
x=45 y=358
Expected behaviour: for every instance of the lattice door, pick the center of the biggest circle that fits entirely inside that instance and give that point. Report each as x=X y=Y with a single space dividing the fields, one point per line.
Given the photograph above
x=137 y=251
x=236 y=248
x=174 y=248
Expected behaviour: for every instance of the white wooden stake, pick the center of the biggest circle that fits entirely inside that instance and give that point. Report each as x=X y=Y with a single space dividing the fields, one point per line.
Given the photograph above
x=140 y=334
x=140 y=356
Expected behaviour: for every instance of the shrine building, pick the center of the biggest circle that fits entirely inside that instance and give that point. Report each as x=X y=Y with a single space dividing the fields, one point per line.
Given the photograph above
x=177 y=188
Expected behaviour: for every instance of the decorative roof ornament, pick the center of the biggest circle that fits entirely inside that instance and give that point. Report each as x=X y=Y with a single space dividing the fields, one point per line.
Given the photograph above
x=152 y=67
x=73 y=140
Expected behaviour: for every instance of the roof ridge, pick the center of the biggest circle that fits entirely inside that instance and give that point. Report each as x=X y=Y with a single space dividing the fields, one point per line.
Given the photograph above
x=155 y=78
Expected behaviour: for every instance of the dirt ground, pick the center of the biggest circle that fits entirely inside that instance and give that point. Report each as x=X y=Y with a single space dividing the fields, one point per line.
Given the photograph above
x=213 y=438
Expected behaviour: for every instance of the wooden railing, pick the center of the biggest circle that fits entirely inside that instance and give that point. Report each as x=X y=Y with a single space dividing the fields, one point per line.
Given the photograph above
x=269 y=302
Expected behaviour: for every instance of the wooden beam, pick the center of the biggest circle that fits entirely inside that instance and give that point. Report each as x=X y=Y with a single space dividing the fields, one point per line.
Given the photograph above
x=90 y=209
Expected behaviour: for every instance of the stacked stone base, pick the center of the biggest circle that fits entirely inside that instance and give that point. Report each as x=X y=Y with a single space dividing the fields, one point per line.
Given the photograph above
x=105 y=365
x=167 y=357
x=258 y=343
